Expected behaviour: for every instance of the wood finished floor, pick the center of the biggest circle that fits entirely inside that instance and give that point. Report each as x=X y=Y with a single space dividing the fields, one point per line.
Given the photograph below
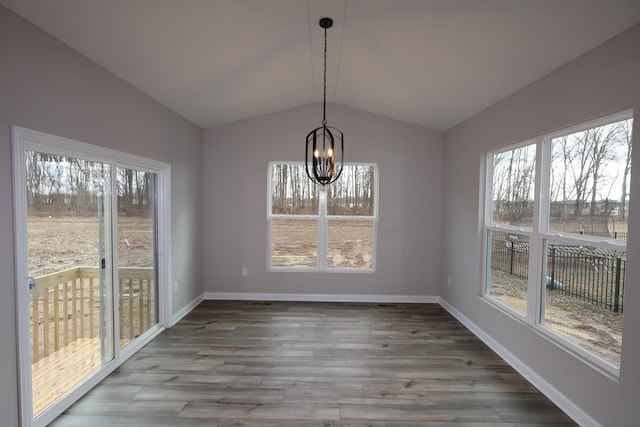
x=314 y=364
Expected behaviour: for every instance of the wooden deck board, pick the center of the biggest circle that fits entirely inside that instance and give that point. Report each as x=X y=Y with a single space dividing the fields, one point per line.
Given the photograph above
x=55 y=374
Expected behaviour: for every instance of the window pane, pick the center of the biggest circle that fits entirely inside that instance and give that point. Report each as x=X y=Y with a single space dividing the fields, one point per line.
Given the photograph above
x=583 y=298
x=294 y=242
x=507 y=269
x=353 y=193
x=137 y=248
x=590 y=180
x=350 y=244
x=513 y=186
x=292 y=192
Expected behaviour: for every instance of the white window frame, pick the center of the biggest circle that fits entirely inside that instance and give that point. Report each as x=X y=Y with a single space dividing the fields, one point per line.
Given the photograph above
x=489 y=226
x=538 y=234
x=322 y=219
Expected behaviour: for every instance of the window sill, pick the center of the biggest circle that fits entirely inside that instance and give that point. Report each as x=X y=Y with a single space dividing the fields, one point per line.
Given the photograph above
x=318 y=270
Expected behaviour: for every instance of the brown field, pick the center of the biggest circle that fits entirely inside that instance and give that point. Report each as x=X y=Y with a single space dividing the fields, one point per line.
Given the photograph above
x=595 y=328
x=350 y=243
x=58 y=243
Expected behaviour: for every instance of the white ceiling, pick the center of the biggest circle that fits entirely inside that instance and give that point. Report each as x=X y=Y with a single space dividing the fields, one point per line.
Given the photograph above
x=430 y=62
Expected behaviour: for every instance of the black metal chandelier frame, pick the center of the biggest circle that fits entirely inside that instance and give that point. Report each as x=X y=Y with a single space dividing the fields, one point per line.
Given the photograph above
x=325 y=144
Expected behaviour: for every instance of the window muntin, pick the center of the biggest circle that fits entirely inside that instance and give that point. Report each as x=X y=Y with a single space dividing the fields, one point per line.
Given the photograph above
x=322 y=229
x=575 y=244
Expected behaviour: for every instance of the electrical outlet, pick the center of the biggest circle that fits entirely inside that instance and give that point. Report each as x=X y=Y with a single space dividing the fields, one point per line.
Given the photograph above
x=175 y=286
x=244 y=271
x=449 y=280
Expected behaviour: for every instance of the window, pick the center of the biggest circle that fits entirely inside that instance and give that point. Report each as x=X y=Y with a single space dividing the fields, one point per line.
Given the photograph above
x=555 y=231
x=322 y=229
x=510 y=227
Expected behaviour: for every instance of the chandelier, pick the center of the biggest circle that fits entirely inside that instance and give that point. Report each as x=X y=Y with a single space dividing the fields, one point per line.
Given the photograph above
x=325 y=144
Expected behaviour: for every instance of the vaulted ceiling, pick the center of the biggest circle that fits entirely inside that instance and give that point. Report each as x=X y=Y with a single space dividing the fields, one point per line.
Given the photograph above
x=430 y=62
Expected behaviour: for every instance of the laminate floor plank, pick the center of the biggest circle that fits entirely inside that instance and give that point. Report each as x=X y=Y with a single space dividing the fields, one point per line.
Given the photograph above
x=289 y=364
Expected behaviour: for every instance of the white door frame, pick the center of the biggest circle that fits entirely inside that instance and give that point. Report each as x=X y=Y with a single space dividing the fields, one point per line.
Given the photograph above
x=26 y=139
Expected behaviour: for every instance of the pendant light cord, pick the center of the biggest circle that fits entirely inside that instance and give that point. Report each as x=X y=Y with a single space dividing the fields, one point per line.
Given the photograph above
x=324 y=99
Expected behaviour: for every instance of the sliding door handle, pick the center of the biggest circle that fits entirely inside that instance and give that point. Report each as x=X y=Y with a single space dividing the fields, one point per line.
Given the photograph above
x=34 y=288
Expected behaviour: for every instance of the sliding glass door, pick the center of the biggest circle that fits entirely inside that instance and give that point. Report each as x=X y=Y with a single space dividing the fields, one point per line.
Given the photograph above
x=87 y=262
x=70 y=282
x=137 y=253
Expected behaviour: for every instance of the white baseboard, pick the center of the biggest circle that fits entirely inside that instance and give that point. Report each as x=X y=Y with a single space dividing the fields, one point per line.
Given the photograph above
x=186 y=309
x=246 y=296
x=570 y=408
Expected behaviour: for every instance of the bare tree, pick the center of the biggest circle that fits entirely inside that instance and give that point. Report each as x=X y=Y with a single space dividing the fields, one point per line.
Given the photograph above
x=586 y=166
x=562 y=154
x=602 y=140
x=514 y=179
x=580 y=168
x=625 y=137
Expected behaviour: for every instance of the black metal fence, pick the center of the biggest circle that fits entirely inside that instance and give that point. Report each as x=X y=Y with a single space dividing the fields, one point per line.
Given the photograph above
x=510 y=256
x=620 y=235
x=592 y=275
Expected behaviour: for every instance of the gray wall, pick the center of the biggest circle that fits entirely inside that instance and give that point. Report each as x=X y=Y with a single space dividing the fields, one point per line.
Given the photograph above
x=236 y=158
x=46 y=86
x=603 y=81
